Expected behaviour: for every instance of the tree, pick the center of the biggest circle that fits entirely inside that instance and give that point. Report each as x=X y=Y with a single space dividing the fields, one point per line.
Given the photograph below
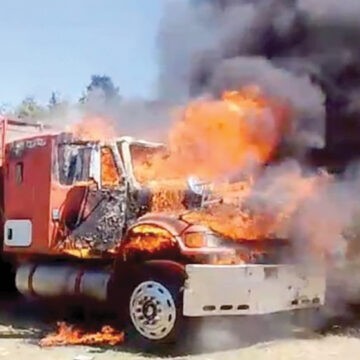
x=54 y=100
x=58 y=110
x=101 y=88
x=30 y=109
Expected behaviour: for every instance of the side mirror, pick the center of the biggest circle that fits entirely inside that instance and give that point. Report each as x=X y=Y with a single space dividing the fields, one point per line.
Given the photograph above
x=201 y=194
x=196 y=185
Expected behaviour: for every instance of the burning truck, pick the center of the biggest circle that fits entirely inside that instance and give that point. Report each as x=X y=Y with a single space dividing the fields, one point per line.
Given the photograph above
x=121 y=224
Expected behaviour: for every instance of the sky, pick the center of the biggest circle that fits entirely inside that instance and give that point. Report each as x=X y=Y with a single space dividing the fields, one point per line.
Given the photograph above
x=56 y=45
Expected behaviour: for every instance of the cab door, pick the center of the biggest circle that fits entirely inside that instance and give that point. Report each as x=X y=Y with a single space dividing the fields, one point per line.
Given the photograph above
x=27 y=178
x=93 y=215
x=76 y=169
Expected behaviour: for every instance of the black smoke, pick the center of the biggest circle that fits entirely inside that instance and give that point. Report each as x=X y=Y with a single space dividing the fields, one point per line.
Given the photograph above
x=303 y=51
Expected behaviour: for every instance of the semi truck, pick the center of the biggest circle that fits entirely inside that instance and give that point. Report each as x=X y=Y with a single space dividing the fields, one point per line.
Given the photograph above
x=79 y=226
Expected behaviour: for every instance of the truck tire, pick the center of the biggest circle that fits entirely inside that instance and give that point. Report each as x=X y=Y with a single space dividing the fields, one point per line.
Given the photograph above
x=155 y=307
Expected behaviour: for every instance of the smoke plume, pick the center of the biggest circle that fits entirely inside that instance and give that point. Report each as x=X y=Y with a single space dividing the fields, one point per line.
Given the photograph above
x=304 y=51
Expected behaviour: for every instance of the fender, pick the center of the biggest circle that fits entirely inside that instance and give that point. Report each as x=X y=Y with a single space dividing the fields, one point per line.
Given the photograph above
x=177 y=228
x=172 y=225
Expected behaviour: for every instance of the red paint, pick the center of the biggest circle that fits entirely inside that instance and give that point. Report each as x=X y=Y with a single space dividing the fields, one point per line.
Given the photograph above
x=38 y=194
x=30 y=198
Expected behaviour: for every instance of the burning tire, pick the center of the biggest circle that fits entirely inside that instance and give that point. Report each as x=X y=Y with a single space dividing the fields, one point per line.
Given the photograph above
x=155 y=305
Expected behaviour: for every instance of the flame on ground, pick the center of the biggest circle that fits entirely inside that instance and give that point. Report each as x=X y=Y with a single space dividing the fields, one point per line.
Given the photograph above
x=71 y=335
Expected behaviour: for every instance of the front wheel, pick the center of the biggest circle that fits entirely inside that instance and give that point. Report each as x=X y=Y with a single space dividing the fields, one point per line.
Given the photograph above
x=153 y=310
x=155 y=305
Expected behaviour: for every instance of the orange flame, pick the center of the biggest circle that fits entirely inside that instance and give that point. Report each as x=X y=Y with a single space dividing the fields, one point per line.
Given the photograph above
x=222 y=141
x=167 y=197
x=70 y=335
x=109 y=174
x=148 y=240
x=99 y=128
x=217 y=138
x=237 y=219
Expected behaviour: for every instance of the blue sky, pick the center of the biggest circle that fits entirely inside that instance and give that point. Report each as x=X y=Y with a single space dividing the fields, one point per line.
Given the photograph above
x=56 y=45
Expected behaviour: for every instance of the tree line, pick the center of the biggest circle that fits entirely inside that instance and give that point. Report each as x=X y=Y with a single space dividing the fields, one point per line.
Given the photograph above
x=97 y=94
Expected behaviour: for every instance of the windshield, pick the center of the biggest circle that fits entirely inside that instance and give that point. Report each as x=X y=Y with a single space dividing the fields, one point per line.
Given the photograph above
x=146 y=160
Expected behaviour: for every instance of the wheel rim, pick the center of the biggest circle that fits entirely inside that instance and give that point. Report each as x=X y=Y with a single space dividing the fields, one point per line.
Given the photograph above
x=152 y=310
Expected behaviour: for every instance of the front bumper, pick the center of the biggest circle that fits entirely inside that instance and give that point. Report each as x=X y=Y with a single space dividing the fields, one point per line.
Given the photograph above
x=252 y=289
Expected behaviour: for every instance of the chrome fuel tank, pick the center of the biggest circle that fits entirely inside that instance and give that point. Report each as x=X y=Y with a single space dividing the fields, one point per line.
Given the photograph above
x=62 y=280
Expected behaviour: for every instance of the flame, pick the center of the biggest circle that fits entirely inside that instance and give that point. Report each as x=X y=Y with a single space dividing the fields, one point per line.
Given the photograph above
x=70 y=335
x=99 y=128
x=218 y=138
x=109 y=174
x=167 y=196
x=225 y=143
x=148 y=239
x=254 y=214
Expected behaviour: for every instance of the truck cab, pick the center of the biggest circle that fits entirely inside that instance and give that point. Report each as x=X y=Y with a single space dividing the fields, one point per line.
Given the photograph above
x=55 y=183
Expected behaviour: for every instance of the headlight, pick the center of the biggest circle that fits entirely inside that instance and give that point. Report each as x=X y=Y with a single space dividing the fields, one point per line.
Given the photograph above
x=201 y=239
x=195 y=240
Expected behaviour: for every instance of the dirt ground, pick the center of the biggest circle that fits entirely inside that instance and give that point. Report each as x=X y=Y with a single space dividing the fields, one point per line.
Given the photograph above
x=271 y=339
x=324 y=348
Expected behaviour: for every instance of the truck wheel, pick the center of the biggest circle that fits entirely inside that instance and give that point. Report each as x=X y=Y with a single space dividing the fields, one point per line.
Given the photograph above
x=153 y=310
x=155 y=307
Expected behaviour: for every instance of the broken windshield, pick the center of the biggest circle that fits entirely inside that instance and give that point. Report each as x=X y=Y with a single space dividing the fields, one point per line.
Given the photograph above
x=144 y=161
